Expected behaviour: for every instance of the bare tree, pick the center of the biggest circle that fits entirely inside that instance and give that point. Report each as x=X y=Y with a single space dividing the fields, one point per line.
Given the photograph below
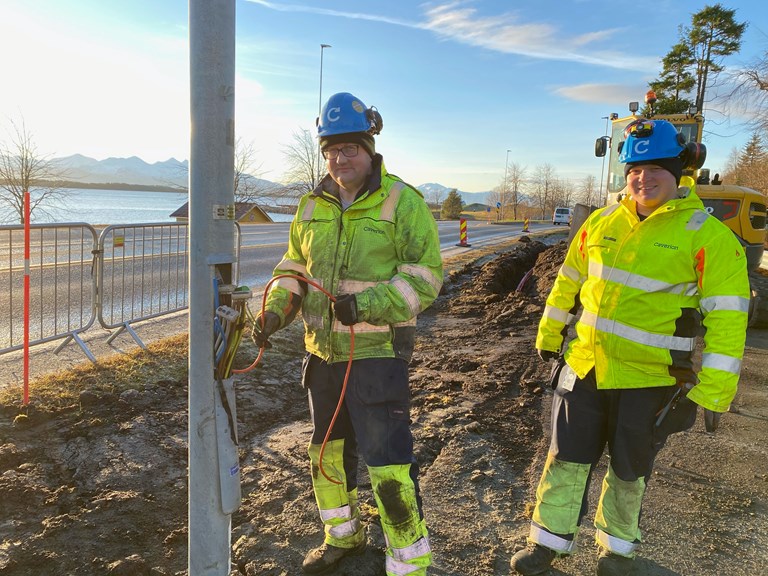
x=543 y=184
x=23 y=169
x=303 y=157
x=562 y=193
x=749 y=166
x=751 y=91
x=588 y=194
x=435 y=197
x=248 y=186
x=515 y=181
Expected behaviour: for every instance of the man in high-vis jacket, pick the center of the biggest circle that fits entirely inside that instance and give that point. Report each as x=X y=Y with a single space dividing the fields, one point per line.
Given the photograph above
x=648 y=272
x=370 y=240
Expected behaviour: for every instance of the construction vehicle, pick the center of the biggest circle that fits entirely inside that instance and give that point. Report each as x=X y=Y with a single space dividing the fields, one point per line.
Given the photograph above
x=742 y=209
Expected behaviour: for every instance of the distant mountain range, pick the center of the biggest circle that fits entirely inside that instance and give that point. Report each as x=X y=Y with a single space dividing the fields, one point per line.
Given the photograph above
x=175 y=173
x=133 y=170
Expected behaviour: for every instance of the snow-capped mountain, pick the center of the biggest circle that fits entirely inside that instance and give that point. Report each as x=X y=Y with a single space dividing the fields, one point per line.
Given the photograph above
x=432 y=190
x=133 y=170
x=172 y=172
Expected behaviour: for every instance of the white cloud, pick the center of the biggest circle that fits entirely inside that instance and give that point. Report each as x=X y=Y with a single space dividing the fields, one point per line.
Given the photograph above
x=503 y=33
x=603 y=93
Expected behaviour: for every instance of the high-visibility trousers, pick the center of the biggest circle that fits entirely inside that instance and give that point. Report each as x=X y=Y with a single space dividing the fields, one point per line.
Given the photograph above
x=374 y=422
x=584 y=421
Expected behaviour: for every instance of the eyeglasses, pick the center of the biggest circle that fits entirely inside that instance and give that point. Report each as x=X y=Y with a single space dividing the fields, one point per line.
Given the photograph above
x=639 y=129
x=348 y=150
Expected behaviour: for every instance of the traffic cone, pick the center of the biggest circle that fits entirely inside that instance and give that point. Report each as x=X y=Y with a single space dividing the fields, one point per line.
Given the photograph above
x=463 y=233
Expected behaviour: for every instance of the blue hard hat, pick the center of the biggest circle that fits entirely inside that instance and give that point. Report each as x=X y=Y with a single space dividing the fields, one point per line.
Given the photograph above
x=647 y=140
x=343 y=113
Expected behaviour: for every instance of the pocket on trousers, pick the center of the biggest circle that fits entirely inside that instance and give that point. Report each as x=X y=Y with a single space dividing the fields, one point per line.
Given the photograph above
x=680 y=417
x=554 y=375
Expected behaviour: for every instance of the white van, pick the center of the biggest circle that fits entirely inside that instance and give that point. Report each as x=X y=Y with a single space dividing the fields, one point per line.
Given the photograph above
x=562 y=216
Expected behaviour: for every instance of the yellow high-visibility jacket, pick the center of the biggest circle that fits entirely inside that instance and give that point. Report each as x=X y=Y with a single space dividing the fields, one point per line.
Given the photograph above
x=645 y=288
x=384 y=248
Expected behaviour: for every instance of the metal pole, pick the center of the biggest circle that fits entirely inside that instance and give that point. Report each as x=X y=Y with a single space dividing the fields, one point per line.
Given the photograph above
x=212 y=252
x=504 y=190
x=320 y=105
x=27 y=224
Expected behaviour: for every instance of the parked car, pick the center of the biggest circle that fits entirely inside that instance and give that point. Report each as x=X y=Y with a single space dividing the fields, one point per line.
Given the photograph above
x=562 y=216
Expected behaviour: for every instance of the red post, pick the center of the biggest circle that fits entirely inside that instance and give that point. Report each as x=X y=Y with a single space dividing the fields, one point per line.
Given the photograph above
x=26 y=297
x=463 y=233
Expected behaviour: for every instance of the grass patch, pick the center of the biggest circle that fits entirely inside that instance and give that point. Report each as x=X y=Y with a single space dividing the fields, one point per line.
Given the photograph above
x=164 y=359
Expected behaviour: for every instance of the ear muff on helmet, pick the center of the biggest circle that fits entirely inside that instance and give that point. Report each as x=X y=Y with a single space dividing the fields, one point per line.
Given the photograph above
x=377 y=123
x=693 y=155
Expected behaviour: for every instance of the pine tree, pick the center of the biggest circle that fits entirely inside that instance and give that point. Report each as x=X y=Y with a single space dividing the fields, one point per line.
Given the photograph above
x=452 y=205
x=675 y=82
x=695 y=61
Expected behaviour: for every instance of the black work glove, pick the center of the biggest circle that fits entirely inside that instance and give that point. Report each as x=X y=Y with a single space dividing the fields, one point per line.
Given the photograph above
x=547 y=355
x=345 y=309
x=680 y=416
x=267 y=323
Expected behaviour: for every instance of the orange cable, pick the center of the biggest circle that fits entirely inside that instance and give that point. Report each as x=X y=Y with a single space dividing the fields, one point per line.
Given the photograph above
x=346 y=374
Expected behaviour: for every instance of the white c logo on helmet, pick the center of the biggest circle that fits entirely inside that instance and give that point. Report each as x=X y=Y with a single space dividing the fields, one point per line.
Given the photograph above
x=333 y=114
x=641 y=146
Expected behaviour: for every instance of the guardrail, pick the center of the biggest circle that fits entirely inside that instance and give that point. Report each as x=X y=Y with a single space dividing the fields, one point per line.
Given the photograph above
x=128 y=273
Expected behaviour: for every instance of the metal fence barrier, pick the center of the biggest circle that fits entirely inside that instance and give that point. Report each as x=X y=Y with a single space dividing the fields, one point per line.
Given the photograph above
x=62 y=288
x=128 y=273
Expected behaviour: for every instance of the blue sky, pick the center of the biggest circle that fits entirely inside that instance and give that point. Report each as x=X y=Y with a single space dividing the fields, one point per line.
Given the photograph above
x=458 y=83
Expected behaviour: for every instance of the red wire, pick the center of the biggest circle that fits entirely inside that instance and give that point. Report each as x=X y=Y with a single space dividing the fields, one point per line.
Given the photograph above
x=346 y=374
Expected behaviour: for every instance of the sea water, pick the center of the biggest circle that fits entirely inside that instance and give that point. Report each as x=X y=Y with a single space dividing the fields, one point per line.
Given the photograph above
x=107 y=207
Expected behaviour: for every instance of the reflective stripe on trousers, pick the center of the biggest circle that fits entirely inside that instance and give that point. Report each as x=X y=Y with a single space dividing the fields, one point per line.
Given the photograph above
x=584 y=420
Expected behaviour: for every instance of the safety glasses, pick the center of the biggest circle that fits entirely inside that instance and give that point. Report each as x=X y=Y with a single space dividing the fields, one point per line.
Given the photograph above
x=348 y=150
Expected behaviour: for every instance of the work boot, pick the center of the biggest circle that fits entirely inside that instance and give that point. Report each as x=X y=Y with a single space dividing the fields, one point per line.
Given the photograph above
x=325 y=558
x=535 y=559
x=609 y=564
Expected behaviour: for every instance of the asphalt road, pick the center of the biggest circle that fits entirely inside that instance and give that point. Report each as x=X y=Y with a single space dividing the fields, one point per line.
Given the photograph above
x=263 y=246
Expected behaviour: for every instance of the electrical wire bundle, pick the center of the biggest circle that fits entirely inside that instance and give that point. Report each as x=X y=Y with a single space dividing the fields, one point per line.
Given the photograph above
x=228 y=325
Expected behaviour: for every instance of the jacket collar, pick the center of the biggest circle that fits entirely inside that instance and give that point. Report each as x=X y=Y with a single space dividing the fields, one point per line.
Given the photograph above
x=688 y=200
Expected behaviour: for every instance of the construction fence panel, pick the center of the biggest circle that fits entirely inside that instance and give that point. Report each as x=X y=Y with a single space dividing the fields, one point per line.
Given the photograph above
x=62 y=287
x=126 y=274
x=144 y=271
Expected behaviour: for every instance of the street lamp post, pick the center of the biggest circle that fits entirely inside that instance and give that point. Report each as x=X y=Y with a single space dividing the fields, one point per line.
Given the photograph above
x=320 y=104
x=504 y=189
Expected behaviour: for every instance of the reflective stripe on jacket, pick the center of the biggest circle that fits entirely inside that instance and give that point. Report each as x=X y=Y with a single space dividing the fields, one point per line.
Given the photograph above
x=645 y=287
x=383 y=248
